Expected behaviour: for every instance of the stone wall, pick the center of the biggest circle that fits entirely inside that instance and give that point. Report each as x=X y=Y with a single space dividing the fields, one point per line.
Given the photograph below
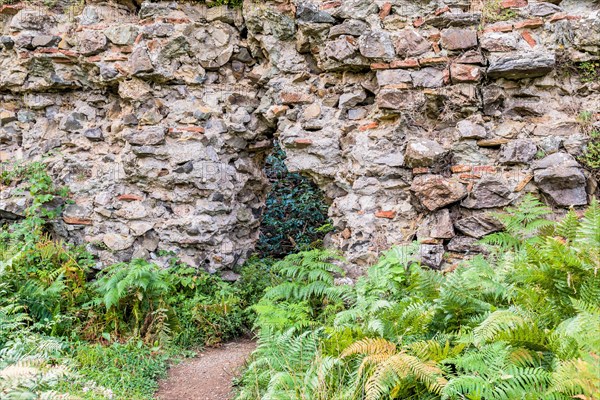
x=417 y=118
x=148 y=116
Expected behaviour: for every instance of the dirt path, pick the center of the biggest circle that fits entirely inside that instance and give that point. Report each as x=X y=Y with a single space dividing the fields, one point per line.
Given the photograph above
x=208 y=376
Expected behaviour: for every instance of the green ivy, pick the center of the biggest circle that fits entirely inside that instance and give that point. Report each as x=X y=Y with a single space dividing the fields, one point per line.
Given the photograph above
x=296 y=213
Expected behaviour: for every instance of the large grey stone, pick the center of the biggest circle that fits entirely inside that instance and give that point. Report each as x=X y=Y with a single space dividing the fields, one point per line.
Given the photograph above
x=435 y=191
x=428 y=78
x=350 y=27
x=519 y=151
x=521 y=65
x=423 y=153
x=92 y=42
x=458 y=39
x=149 y=136
x=489 y=192
x=431 y=255
x=393 y=77
x=409 y=43
x=308 y=11
x=376 y=44
x=478 y=225
x=437 y=225
x=122 y=35
x=560 y=176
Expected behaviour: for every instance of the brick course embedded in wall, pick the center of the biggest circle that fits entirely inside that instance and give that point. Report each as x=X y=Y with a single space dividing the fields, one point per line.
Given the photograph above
x=416 y=118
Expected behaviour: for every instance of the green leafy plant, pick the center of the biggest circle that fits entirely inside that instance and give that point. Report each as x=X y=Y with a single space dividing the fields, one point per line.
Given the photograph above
x=520 y=323
x=295 y=215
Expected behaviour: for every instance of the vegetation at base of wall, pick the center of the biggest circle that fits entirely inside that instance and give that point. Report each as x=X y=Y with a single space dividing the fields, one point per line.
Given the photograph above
x=295 y=216
x=493 y=11
x=591 y=154
x=589 y=71
x=65 y=328
x=520 y=323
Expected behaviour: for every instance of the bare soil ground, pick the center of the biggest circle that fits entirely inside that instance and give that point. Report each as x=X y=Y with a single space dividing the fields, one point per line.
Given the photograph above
x=209 y=375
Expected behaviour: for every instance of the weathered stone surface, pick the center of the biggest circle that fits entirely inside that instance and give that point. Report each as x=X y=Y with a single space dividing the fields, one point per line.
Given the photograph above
x=435 y=191
x=489 y=192
x=470 y=130
x=519 y=151
x=458 y=39
x=464 y=73
x=543 y=9
x=499 y=41
x=521 y=65
x=428 y=78
x=393 y=77
x=92 y=42
x=437 y=226
x=560 y=176
x=140 y=61
x=122 y=35
x=479 y=225
x=431 y=255
x=423 y=153
x=358 y=9
x=409 y=43
x=307 y=11
x=353 y=98
x=146 y=137
x=341 y=49
x=94 y=134
x=464 y=244
x=376 y=44
x=351 y=27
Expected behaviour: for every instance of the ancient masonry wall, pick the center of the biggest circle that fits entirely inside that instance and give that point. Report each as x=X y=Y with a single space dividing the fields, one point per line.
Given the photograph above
x=417 y=118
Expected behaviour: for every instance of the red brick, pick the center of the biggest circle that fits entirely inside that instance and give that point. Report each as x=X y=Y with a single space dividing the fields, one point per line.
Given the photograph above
x=368 y=126
x=490 y=169
x=499 y=28
x=408 y=63
x=303 y=142
x=513 y=3
x=115 y=57
x=442 y=10
x=295 y=98
x=385 y=214
x=176 y=20
x=530 y=23
x=330 y=4
x=460 y=168
x=561 y=16
x=433 y=60
x=420 y=170
x=129 y=197
x=469 y=176
x=376 y=66
x=528 y=38
x=385 y=10
x=181 y=129
x=77 y=221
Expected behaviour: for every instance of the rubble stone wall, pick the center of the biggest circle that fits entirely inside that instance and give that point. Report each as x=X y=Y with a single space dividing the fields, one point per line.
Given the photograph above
x=416 y=118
